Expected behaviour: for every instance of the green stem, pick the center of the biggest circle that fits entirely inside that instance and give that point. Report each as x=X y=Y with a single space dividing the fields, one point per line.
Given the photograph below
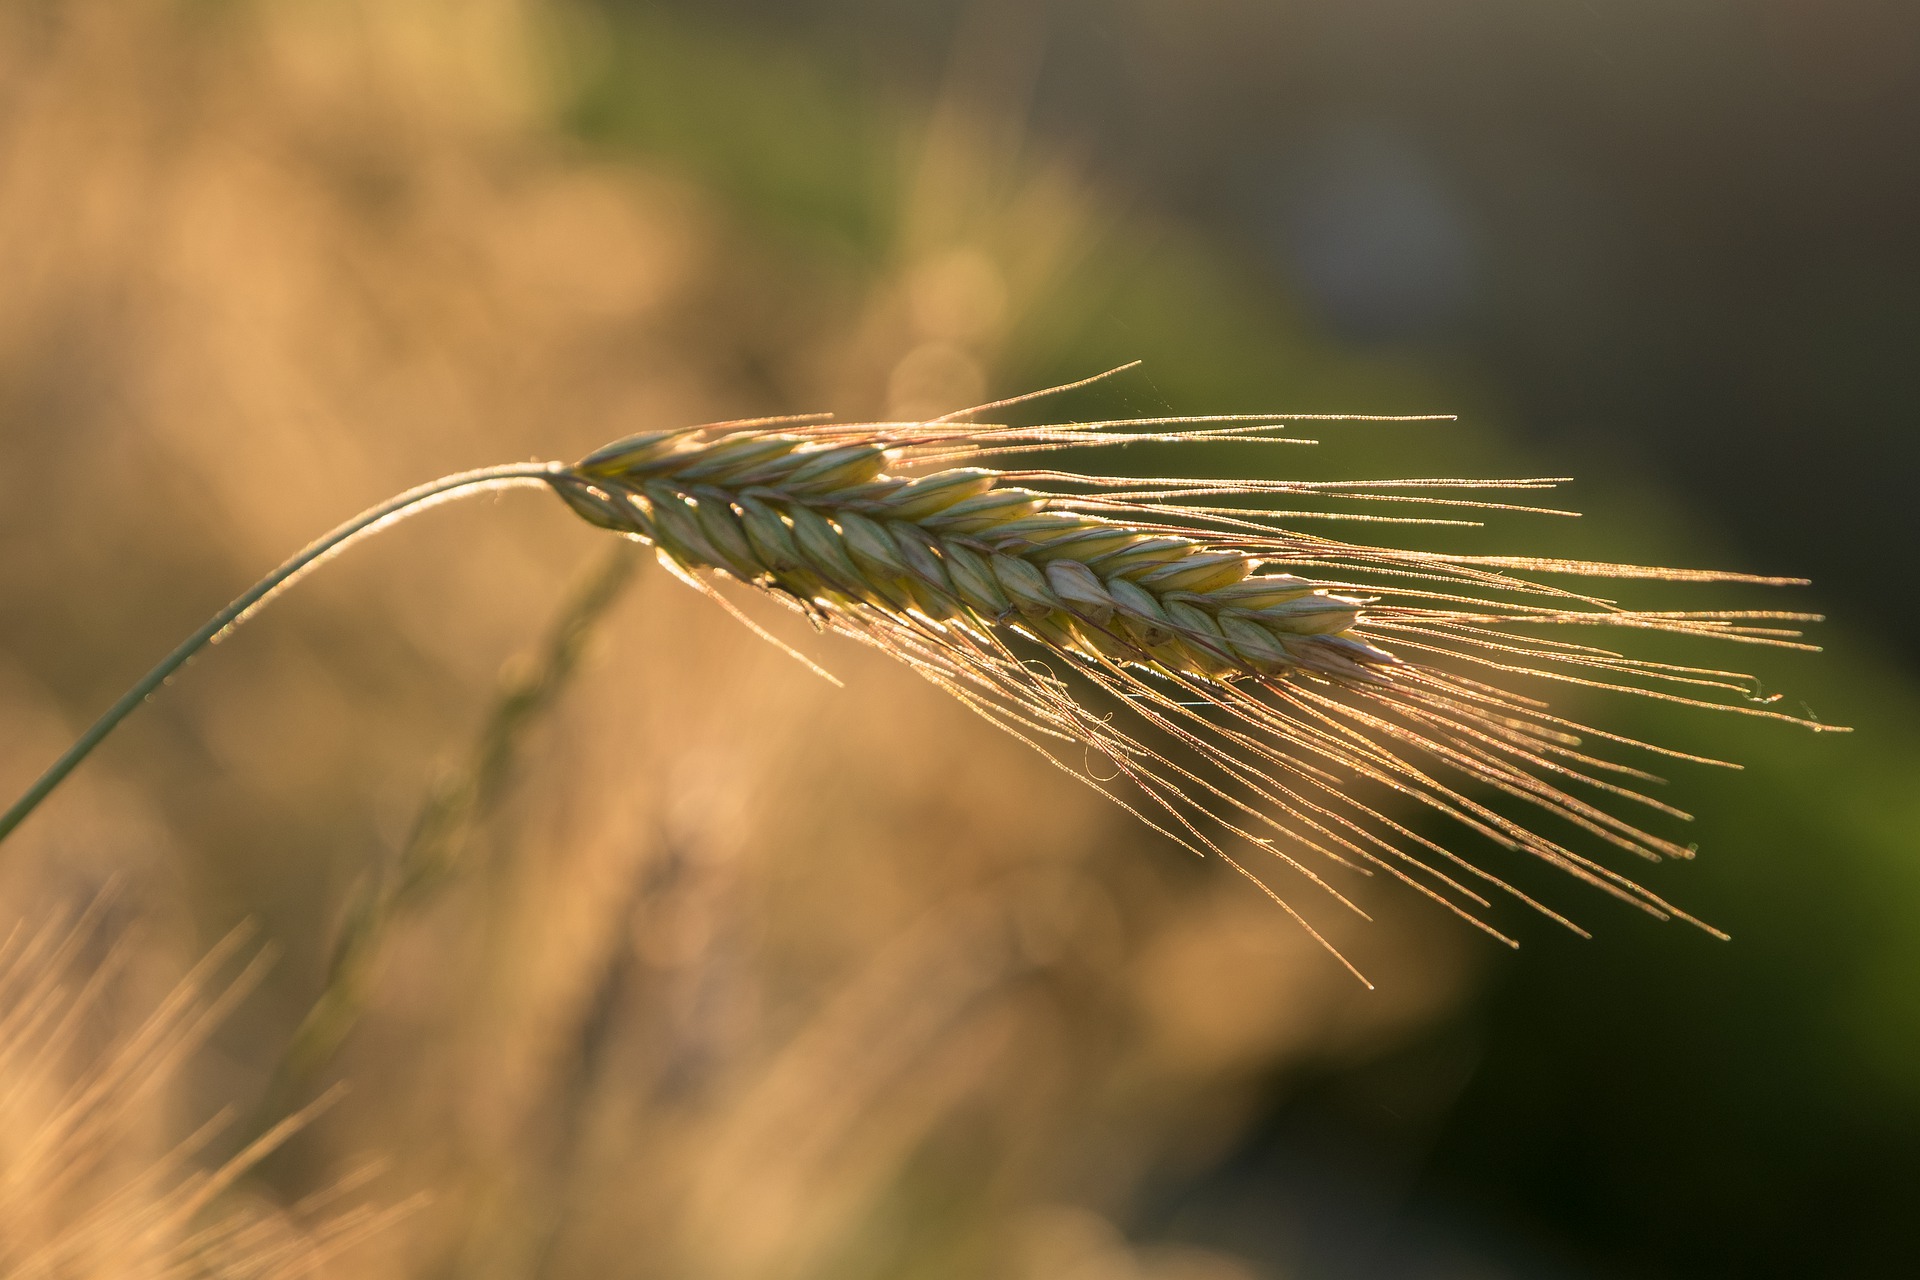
x=366 y=522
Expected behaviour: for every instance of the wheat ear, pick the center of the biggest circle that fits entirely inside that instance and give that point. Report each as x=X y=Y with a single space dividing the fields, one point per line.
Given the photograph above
x=1237 y=698
x=1246 y=681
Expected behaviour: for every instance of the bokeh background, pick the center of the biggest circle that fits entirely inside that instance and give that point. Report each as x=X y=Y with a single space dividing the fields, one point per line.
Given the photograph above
x=696 y=966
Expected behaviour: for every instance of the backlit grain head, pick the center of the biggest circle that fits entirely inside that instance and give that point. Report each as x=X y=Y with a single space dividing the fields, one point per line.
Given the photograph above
x=1227 y=677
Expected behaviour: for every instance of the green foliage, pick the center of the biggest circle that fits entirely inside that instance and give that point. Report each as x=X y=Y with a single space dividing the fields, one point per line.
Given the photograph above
x=790 y=144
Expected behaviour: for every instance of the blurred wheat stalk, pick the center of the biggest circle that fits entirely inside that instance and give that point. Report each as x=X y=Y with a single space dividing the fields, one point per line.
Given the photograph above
x=83 y=1193
x=431 y=853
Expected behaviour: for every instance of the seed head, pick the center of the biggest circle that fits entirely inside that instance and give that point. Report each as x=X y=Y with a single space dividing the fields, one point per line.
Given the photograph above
x=1274 y=683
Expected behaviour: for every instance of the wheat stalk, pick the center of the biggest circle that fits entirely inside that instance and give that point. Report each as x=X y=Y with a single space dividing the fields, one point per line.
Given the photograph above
x=1249 y=681
x=369 y=521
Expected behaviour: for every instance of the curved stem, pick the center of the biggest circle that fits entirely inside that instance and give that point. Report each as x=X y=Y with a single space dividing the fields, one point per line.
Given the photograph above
x=256 y=595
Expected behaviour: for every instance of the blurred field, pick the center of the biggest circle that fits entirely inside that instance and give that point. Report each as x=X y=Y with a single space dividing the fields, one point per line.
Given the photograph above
x=737 y=975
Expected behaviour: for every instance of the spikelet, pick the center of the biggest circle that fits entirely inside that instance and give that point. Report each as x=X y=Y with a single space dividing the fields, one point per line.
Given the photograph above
x=1273 y=679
